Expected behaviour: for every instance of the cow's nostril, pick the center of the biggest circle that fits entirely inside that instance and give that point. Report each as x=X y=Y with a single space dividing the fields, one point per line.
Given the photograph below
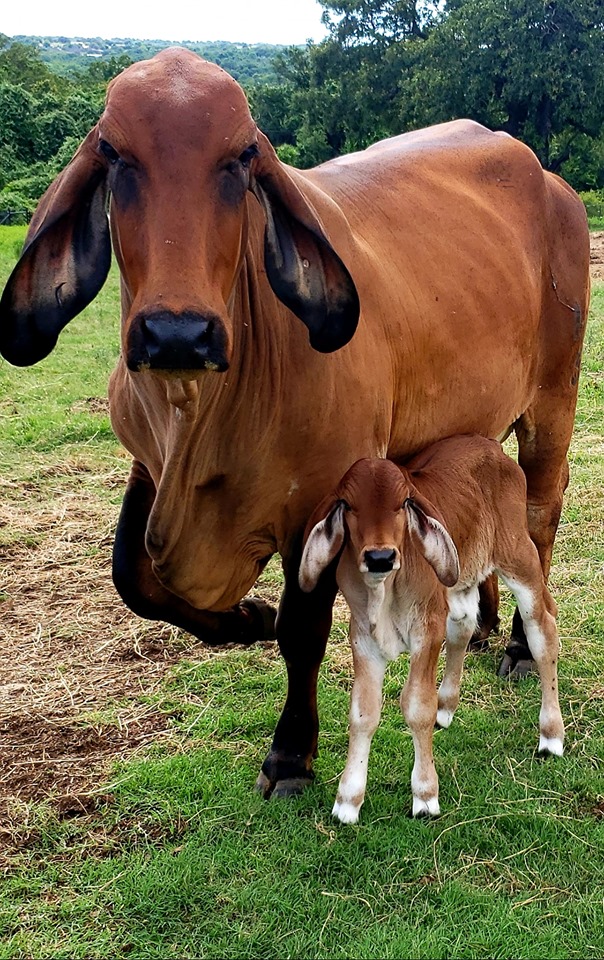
x=379 y=561
x=207 y=332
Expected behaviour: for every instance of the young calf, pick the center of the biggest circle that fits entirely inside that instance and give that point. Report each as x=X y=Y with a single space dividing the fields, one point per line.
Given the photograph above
x=415 y=544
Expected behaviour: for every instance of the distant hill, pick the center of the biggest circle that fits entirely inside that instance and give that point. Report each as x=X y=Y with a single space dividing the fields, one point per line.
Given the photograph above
x=245 y=61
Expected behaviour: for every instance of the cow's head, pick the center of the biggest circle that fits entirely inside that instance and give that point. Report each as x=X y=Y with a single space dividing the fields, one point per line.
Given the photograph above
x=378 y=515
x=172 y=158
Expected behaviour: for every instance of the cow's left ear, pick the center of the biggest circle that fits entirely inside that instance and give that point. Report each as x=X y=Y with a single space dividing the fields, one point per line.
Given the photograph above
x=433 y=538
x=303 y=269
x=64 y=262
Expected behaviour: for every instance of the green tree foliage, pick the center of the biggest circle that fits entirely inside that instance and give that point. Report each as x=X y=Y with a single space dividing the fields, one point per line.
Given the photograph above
x=531 y=67
x=43 y=116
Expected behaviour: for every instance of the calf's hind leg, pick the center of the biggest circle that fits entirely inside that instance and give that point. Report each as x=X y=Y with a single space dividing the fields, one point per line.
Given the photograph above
x=537 y=609
x=543 y=440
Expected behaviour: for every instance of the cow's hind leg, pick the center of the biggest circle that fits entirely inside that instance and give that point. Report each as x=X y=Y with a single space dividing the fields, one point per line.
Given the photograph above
x=488 y=620
x=303 y=625
x=142 y=592
x=544 y=434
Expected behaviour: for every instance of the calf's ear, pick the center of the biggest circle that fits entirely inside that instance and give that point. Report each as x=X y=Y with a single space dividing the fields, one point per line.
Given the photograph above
x=323 y=543
x=433 y=539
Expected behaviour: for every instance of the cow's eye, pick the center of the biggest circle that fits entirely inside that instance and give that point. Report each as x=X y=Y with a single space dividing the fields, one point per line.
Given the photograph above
x=248 y=155
x=108 y=152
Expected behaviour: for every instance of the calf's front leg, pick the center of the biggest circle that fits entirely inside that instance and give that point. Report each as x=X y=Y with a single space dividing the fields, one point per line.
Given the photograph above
x=461 y=624
x=364 y=717
x=419 y=704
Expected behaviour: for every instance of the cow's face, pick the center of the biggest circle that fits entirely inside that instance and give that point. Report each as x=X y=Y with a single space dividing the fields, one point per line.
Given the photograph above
x=173 y=158
x=178 y=141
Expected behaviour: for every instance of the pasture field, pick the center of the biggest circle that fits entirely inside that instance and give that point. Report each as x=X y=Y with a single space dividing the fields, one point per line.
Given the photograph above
x=128 y=823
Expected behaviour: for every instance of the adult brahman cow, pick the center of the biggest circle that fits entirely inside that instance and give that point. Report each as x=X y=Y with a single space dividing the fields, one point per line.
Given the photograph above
x=468 y=263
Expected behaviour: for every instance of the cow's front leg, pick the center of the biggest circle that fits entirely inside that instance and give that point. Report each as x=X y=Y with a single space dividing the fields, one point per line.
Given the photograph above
x=419 y=705
x=142 y=592
x=303 y=625
x=364 y=717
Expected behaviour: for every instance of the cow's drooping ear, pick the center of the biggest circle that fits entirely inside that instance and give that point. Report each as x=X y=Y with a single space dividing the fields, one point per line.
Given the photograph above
x=433 y=539
x=64 y=262
x=303 y=269
x=323 y=543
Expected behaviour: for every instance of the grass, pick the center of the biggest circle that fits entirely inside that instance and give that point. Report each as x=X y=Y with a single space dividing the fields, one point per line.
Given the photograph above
x=178 y=857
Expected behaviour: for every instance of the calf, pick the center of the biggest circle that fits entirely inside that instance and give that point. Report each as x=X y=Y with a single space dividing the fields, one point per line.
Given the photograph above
x=414 y=543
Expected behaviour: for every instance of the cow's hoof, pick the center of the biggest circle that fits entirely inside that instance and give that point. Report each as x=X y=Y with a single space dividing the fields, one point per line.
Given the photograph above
x=517 y=662
x=286 y=787
x=261 y=621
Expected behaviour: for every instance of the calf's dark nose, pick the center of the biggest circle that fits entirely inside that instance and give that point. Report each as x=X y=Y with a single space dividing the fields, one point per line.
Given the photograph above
x=379 y=561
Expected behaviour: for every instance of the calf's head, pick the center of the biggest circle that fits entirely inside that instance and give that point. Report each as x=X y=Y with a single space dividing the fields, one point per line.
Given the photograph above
x=376 y=514
x=173 y=160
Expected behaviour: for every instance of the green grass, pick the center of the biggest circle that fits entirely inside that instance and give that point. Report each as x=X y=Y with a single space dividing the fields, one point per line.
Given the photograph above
x=182 y=859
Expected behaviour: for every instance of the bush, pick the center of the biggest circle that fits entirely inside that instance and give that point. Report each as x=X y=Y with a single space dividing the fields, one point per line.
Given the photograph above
x=594 y=204
x=15 y=208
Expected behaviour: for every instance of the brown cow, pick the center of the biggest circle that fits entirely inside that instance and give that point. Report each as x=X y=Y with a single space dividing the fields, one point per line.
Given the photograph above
x=414 y=543
x=471 y=267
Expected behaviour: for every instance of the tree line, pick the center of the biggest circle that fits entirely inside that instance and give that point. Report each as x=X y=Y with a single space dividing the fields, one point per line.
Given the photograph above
x=530 y=67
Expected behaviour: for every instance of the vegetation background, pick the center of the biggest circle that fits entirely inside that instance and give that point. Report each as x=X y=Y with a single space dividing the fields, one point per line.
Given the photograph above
x=530 y=67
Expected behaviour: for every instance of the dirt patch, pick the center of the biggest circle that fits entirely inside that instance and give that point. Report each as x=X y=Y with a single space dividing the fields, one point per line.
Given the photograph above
x=597 y=255
x=78 y=668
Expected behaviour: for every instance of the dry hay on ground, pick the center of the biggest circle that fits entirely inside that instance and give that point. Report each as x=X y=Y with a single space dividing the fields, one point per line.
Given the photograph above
x=78 y=667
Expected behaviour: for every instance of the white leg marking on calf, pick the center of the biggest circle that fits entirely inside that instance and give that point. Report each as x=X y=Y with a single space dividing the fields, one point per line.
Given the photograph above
x=542 y=638
x=553 y=745
x=419 y=705
x=461 y=623
x=365 y=710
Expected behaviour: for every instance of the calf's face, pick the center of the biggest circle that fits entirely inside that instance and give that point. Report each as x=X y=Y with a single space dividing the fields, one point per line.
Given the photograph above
x=376 y=513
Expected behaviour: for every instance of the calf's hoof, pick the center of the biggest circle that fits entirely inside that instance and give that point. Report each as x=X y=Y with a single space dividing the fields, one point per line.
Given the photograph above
x=345 y=811
x=425 y=808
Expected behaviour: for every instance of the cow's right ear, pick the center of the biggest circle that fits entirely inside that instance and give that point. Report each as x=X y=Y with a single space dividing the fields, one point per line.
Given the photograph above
x=323 y=542
x=64 y=262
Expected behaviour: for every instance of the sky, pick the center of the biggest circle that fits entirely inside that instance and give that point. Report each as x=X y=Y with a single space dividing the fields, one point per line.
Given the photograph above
x=246 y=21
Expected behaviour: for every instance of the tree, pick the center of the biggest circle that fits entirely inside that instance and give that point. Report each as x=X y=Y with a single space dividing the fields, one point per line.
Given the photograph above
x=530 y=67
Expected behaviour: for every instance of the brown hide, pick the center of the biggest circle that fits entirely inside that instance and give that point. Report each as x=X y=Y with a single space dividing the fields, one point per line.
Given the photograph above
x=471 y=267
